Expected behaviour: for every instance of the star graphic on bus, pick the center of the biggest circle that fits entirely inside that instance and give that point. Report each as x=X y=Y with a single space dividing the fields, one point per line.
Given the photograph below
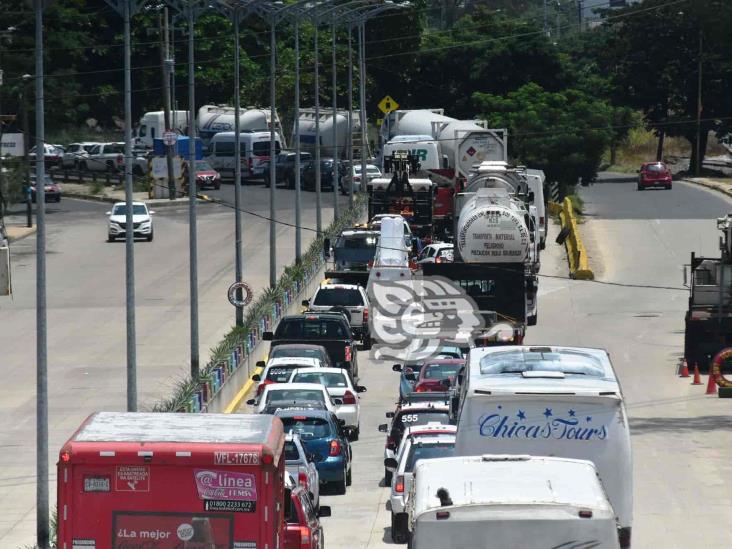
x=521 y=414
x=547 y=412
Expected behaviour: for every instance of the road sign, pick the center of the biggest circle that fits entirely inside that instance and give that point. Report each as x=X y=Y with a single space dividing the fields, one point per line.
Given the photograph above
x=246 y=299
x=387 y=105
x=170 y=138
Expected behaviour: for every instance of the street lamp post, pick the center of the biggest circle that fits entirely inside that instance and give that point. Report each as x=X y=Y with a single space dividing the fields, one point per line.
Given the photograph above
x=350 y=113
x=334 y=91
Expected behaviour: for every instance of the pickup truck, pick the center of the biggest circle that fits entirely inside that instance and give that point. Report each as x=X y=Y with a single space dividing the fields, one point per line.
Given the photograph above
x=349 y=297
x=331 y=330
x=104 y=157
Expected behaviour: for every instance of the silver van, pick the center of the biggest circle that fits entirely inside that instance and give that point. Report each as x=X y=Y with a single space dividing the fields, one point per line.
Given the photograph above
x=255 y=153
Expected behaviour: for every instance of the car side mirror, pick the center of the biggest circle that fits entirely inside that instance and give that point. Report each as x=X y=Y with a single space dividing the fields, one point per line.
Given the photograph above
x=360 y=389
x=305 y=303
x=389 y=415
x=256 y=377
x=342 y=422
x=151 y=212
x=383 y=428
x=396 y=368
x=267 y=336
x=260 y=364
x=251 y=402
x=108 y=213
x=324 y=511
x=391 y=464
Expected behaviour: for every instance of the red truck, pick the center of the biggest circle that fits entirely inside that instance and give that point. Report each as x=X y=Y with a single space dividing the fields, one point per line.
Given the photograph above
x=172 y=481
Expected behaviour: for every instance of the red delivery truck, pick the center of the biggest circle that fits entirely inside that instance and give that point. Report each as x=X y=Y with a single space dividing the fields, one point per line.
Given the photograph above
x=172 y=481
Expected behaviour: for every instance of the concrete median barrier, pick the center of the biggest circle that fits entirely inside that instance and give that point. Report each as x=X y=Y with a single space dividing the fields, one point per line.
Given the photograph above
x=579 y=267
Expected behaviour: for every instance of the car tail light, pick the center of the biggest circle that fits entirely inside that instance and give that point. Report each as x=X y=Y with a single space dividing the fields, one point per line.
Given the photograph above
x=365 y=315
x=304 y=537
x=302 y=479
x=585 y=513
x=438 y=260
x=261 y=386
x=348 y=354
x=542 y=221
x=335 y=448
x=349 y=398
x=371 y=263
x=399 y=484
x=442 y=515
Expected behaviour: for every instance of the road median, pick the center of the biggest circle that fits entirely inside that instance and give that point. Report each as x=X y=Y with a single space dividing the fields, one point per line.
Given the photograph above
x=579 y=266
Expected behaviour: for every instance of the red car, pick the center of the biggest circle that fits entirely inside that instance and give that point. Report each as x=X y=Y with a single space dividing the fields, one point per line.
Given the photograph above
x=434 y=374
x=654 y=174
x=302 y=523
x=206 y=176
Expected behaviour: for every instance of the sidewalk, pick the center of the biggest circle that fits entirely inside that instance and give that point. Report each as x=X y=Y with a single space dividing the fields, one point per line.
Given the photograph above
x=720 y=184
x=16 y=232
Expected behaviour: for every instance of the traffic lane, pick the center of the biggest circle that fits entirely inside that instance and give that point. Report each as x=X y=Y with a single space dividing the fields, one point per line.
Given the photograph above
x=680 y=437
x=86 y=325
x=360 y=518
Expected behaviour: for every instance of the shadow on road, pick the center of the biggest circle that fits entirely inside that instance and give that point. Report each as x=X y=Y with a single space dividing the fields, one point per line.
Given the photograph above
x=676 y=424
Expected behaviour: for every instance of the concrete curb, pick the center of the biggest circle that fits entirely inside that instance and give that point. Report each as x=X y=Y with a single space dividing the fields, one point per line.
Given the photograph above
x=155 y=202
x=19 y=233
x=579 y=267
x=235 y=403
x=724 y=189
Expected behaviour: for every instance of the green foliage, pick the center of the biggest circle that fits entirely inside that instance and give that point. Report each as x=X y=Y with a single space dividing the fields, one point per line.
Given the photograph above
x=563 y=133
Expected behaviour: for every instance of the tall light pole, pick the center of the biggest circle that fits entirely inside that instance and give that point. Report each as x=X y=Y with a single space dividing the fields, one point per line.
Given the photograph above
x=42 y=516
x=350 y=113
x=334 y=92
x=191 y=9
x=127 y=8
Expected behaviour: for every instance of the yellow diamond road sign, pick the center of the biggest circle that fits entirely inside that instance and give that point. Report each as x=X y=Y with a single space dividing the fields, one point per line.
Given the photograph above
x=387 y=105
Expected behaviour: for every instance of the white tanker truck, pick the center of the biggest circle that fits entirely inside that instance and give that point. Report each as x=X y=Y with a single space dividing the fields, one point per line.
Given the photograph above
x=307 y=132
x=213 y=119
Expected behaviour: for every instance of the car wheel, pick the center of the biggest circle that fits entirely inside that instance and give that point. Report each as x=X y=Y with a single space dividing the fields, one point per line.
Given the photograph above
x=217 y=186
x=339 y=487
x=387 y=477
x=349 y=479
x=111 y=238
x=640 y=187
x=356 y=433
x=668 y=187
x=58 y=199
x=366 y=345
x=150 y=237
x=399 y=530
x=531 y=320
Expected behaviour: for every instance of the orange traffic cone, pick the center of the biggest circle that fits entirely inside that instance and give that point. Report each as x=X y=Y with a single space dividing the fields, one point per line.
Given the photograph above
x=697 y=377
x=711 y=384
x=684 y=369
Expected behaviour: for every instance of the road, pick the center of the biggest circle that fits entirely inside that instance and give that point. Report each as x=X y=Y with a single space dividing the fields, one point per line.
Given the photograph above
x=86 y=320
x=681 y=438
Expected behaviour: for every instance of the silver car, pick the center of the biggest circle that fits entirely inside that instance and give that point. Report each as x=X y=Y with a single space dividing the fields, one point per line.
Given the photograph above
x=301 y=467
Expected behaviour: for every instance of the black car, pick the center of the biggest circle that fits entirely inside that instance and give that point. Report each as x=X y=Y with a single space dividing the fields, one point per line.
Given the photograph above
x=331 y=330
x=285 y=168
x=326 y=174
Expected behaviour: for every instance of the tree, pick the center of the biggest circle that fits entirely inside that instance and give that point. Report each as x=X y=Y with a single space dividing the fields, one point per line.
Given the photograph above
x=564 y=133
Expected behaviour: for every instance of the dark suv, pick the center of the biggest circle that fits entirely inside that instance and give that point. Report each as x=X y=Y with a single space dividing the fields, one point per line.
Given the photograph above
x=285 y=168
x=326 y=174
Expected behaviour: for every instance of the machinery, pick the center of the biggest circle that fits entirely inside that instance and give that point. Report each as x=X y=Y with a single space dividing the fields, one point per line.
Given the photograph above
x=708 y=320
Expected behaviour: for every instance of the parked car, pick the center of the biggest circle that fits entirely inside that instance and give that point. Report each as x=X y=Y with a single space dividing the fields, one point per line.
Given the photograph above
x=326 y=175
x=206 y=176
x=103 y=157
x=142 y=222
x=430 y=441
x=322 y=435
x=438 y=252
x=302 y=519
x=654 y=174
x=304 y=350
x=407 y=415
x=300 y=465
x=353 y=177
x=52 y=189
x=51 y=155
x=340 y=386
x=288 y=395
x=75 y=153
x=278 y=370
x=331 y=330
x=285 y=168
x=348 y=297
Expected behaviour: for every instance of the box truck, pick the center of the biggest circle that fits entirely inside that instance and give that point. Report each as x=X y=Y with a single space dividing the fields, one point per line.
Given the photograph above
x=172 y=481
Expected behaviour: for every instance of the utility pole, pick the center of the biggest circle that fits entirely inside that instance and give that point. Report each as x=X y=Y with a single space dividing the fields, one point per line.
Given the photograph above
x=167 y=64
x=697 y=168
x=272 y=156
x=42 y=514
x=296 y=137
x=318 y=212
x=350 y=115
x=336 y=210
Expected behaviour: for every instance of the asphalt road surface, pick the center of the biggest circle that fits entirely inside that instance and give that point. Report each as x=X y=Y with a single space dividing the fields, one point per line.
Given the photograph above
x=681 y=439
x=86 y=320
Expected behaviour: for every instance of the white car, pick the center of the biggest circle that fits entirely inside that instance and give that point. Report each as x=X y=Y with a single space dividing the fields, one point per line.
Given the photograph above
x=438 y=252
x=351 y=297
x=433 y=440
x=141 y=221
x=75 y=153
x=341 y=388
x=293 y=395
x=372 y=172
x=278 y=370
x=301 y=467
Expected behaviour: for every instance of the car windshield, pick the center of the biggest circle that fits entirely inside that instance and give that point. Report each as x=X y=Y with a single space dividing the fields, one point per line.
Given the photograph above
x=295 y=395
x=332 y=380
x=307 y=427
x=307 y=328
x=449 y=350
x=115 y=148
x=203 y=166
x=137 y=209
x=427 y=451
x=88 y=148
x=366 y=242
x=291 y=453
x=280 y=374
x=261 y=148
x=345 y=297
x=46 y=180
x=517 y=361
x=285 y=352
x=655 y=168
x=441 y=371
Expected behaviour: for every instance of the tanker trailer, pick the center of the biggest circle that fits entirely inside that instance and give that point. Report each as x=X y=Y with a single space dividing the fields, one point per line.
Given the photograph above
x=213 y=119
x=325 y=123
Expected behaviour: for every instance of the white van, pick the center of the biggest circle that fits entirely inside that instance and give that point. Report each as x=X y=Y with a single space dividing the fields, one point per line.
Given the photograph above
x=536 y=179
x=152 y=125
x=424 y=147
x=391 y=261
x=254 y=153
x=550 y=401
x=509 y=502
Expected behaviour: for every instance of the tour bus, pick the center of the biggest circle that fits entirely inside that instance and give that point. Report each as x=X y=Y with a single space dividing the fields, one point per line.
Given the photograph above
x=172 y=480
x=548 y=401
